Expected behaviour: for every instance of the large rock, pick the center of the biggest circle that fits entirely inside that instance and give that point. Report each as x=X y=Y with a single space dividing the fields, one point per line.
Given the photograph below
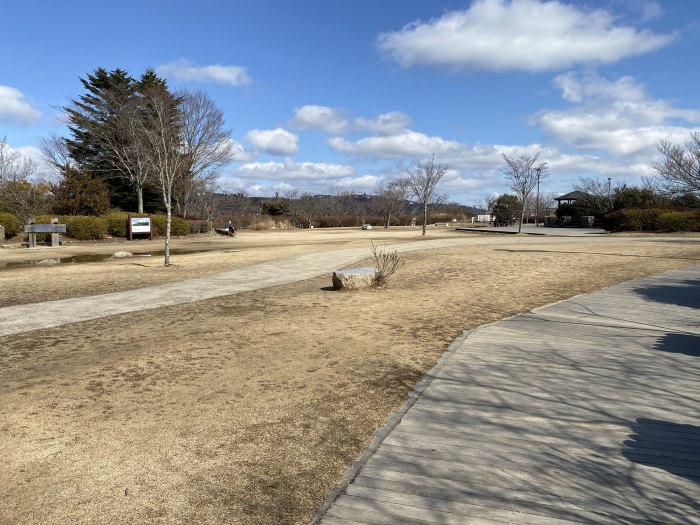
x=354 y=279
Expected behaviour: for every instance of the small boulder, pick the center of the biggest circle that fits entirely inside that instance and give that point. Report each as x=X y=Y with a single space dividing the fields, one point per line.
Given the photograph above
x=354 y=279
x=122 y=255
x=48 y=262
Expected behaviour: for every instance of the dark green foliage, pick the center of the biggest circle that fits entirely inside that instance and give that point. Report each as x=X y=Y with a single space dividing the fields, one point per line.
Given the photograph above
x=11 y=224
x=689 y=200
x=97 y=118
x=89 y=117
x=274 y=207
x=630 y=197
x=86 y=228
x=569 y=210
x=652 y=219
x=79 y=193
x=506 y=210
x=117 y=223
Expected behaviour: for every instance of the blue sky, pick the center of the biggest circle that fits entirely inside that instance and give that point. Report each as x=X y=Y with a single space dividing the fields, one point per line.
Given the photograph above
x=323 y=95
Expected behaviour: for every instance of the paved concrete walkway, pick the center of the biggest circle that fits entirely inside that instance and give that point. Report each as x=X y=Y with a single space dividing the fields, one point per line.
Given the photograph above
x=585 y=411
x=36 y=316
x=531 y=229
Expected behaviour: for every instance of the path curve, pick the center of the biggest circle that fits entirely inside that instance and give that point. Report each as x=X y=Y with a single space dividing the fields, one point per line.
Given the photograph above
x=36 y=316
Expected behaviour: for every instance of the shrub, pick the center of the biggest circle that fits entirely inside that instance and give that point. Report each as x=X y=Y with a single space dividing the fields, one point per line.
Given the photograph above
x=199 y=226
x=631 y=219
x=117 y=223
x=178 y=226
x=86 y=227
x=652 y=219
x=388 y=263
x=266 y=222
x=343 y=221
x=11 y=224
x=675 y=221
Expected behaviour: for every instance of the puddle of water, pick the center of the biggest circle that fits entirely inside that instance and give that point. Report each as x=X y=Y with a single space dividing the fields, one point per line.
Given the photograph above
x=76 y=259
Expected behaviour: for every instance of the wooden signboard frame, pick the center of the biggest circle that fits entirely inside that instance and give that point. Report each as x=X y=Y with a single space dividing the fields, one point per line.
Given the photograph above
x=140 y=225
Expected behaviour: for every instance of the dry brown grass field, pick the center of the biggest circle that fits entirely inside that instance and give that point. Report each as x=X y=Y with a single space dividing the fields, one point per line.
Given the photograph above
x=248 y=408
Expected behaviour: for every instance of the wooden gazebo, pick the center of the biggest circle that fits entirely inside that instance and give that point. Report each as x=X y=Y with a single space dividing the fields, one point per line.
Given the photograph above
x=570 y=198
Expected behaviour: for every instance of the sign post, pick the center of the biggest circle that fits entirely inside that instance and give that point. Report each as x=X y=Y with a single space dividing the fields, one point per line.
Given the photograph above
x=140 y=226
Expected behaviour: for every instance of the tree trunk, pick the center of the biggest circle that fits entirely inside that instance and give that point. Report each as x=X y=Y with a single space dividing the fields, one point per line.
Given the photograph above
x=425 y=216
x=522 y=216
x=139 y=196
x=168 y=222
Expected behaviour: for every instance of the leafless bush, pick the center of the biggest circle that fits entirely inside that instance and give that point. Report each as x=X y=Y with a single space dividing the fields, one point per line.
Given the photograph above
x=388 y=263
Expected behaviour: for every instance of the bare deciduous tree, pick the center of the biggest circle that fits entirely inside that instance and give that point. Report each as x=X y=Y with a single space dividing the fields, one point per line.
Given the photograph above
x=19 y=194
x=523 y=173
x=487 y=202
x=55 y=150
x=679 y=168
x=162 y=141
x=206 y=146
x=291 y=198
x=422 y=181
x=205 y=202
x=309 y=208
x=598 y=194
x=391 y=199
x=13 y=165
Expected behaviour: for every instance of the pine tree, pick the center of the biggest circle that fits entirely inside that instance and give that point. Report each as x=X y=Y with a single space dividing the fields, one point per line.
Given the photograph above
x=104 y=141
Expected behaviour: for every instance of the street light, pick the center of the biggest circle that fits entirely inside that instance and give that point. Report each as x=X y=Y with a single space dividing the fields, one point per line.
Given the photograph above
x=537 y=201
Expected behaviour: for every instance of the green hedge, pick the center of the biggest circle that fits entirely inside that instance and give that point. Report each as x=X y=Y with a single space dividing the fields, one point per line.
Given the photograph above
x=652 y=219
x=86 y=228
x=117 y=223
x=11 y=224
x=179 y=226
x=90 y=227
x=678 y=221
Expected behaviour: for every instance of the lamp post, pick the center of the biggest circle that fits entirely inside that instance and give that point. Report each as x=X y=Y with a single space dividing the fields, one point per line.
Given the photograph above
x=537 y=199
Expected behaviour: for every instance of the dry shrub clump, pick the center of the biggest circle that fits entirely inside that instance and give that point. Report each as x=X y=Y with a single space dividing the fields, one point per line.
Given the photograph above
x=268 y=223
x=388 y=263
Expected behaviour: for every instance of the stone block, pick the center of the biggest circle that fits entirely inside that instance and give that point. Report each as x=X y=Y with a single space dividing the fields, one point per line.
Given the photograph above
x=354 y=279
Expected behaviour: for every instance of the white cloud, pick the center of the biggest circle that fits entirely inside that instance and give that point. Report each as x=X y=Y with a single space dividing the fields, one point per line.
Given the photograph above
x=575 y=87
x=524 y=35
x=619 y=117
x=186 y=71
x=407 y=143
x=274 y=141
x=390 y=123
x=15 y=109
x=289 y=170
x=239 y=153
x=324 y=118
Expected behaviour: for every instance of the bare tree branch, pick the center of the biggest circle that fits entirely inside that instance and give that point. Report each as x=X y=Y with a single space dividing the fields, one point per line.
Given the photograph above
x=679 y=168
x=523 y=173
x=422 y=181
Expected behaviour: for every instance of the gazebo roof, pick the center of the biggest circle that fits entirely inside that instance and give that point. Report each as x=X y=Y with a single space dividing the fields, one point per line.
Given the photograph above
x=574 y=195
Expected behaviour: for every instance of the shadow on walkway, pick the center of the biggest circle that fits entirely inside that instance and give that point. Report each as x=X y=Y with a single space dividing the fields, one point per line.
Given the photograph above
x=670 y=446
x=677 y=343
x=685 y=293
